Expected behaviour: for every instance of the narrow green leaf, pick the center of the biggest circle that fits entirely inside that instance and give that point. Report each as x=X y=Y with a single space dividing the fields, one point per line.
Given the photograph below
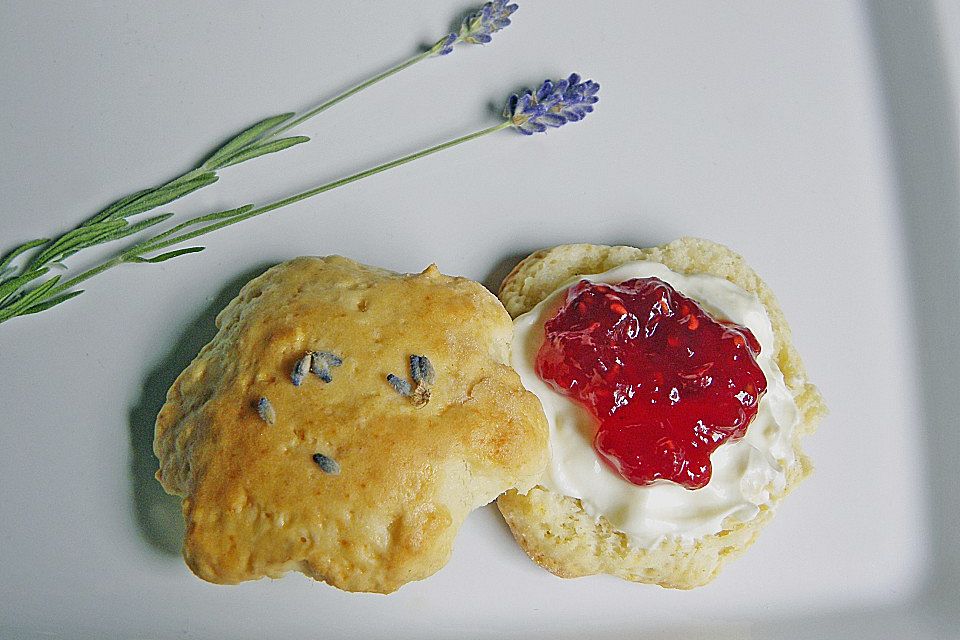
x=77 y=236
x=77 y=239
x=13 y=285
x=115 y=209
x=168 y=193
x=100 y=234
x=144 y=247
x=29 y=298
x=136 y=228
x=244 y=138
x=220 y=215
x=26 y=246
x=163 y=257
x=262 y=149
x=52 y=302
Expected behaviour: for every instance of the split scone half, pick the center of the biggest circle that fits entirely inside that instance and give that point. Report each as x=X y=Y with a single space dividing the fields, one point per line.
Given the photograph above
x=343 y=422
x=583 y=518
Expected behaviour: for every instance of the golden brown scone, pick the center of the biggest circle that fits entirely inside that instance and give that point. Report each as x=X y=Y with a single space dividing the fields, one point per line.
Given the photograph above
x=555 y=530
x=256 y=503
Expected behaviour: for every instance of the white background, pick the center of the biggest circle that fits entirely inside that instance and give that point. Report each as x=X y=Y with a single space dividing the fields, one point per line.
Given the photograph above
x=816 y=138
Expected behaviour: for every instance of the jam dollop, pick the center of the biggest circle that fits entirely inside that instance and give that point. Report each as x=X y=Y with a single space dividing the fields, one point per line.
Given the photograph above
x=667 y=383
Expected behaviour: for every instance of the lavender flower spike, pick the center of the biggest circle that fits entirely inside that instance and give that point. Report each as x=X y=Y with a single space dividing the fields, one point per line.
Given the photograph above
x=552 y=105
x=479 y=26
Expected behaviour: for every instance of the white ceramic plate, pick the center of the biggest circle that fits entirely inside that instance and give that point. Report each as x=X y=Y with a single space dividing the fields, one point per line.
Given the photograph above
x=818 y=139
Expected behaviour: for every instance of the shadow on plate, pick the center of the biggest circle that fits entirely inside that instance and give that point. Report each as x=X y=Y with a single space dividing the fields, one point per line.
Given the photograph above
x=922 y=121
x=502 y=269
x=157 y=513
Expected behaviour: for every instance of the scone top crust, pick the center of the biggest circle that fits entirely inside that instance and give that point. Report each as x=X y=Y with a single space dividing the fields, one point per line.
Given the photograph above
x=255 y=502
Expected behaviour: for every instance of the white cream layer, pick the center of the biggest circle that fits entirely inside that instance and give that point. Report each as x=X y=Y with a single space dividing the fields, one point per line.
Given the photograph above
x=744 y=472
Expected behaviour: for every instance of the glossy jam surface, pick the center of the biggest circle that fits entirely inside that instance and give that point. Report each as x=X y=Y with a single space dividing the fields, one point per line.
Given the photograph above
x=667 y=383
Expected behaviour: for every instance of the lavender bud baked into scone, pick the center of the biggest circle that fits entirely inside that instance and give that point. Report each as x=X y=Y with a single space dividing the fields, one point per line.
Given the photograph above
x=343 y=422
x=676 y=406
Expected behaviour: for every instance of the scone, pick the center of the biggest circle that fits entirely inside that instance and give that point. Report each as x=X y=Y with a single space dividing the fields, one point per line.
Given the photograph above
x=343 y=423
x=587 y=516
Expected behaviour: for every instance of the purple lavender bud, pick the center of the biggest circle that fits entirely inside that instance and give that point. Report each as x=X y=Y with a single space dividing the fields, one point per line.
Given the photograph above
x=553 y=104
x=300 y=369
x=493 y=16
x=479 y=26
x=267 y=413
x=445 y=46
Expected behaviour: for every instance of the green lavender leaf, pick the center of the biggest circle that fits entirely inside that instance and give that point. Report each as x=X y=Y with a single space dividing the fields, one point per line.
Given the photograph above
x=244 y=138
x=167 y=194
x=144 y=246
x=136 y=228
x=218 y=215
x=163 y=257
x=261 y=149
x=28 y=298
x=109 y=224
x=77 y=239
x=99 y=234
x=11 y=285
x=116 y=208
x=52 y=302
x=26 y=246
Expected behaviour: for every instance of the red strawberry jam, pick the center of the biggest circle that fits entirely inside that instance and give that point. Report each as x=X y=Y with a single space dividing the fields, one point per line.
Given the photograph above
x=667 y=383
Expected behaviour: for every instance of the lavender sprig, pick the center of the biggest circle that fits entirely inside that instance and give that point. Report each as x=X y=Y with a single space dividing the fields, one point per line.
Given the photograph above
x=553 y=104
x=22 y=266
x=478 y=27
